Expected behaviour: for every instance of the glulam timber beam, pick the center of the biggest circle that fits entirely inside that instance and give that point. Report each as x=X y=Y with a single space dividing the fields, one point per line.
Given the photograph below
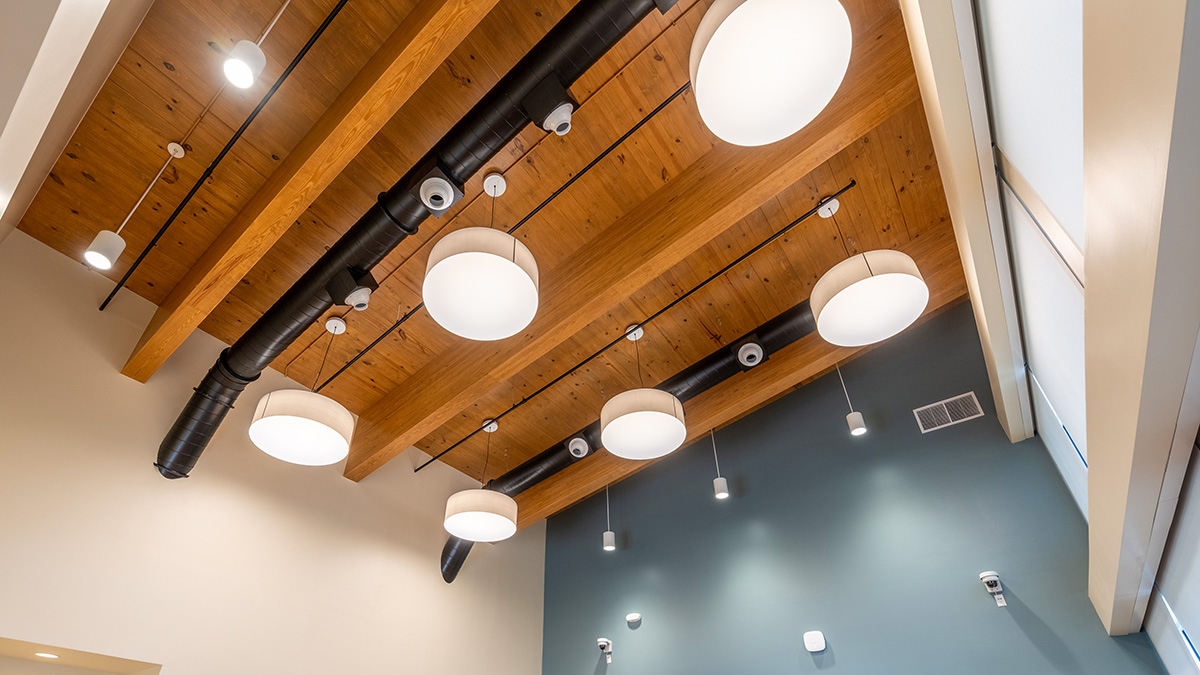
x=693 y=207
x=806 y=359
x=424 y=39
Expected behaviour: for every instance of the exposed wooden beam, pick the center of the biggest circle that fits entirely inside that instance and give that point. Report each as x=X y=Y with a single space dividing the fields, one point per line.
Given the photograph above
x=414 y=51
x=744 y=393
x=691 y=209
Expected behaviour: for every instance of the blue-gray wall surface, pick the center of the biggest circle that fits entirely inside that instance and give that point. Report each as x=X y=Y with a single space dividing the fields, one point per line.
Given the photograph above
x=878 y=541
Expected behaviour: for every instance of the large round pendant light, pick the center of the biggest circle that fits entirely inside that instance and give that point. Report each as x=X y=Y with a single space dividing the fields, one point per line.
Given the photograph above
x=642 y=424
x=868 y=298
x=481 y=284
x=481 y=515
x=763 y=69
x=302 y=427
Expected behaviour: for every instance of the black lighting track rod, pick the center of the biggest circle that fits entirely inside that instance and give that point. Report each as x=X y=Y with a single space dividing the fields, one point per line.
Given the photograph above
x=225 y=150
x=782 y=231
x=617 y=143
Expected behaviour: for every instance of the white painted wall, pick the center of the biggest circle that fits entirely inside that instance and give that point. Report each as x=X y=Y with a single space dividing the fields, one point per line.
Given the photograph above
x=249 y=566
x=1033 y=55
x=1033 y=59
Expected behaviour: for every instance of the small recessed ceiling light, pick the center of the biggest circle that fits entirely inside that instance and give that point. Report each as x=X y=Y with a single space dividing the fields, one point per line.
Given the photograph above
x=46 y=655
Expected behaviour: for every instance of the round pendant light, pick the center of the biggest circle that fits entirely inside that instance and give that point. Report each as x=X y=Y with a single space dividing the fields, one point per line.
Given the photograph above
x=642 y=424
x=609 y=540
x=104 y=250
x=481 y=515
x=763 y=69
x=854 y=420
x=244 y=64
x=481 y=284
x=868 y=298
x=302 y=427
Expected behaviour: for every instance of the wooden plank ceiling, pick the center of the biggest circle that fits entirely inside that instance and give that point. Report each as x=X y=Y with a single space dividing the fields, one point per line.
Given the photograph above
x=671 y=181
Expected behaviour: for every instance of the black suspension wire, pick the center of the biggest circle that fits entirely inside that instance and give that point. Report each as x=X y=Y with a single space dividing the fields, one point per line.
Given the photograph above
x=224 y=151
x=782 y=231
x=554 y=195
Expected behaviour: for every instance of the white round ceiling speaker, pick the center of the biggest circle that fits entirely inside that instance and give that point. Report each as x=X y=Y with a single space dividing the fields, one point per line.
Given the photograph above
x=868 y=298
x=302 y=427
x=763 y=69
x=104 y=250
x=244 y=64
x=642 y=424
x=481 y=515
x=481 y=284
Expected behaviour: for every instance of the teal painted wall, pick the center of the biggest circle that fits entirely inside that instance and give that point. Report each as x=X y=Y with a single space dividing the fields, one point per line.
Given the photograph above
x=878 y=541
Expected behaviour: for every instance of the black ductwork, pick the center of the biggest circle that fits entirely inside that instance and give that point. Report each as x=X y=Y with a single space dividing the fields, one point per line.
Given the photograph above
x=585 y=34
x=713 y=369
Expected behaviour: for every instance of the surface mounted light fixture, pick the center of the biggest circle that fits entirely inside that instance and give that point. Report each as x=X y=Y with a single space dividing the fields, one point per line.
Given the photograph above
x=46 y=655
x=481 y=284
x=302 y=427
x=481 y=515
x=763 y=69
x=868 y=297
x=244 y=64
x=104 y=250
x=642 y=424
x=854 y=420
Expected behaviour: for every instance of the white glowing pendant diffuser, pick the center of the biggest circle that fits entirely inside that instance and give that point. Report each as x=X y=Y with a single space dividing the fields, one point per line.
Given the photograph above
x=104 y=250
x=481 y=284
x=302 y=427
x=868 y=298
x=244 y=64
x=481 y=515
x=763 y=69
x=642 y=424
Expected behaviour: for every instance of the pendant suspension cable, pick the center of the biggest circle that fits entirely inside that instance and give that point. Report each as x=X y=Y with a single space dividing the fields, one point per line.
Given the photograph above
x=712 y=433
x=847 y=393
x=149 y=187
x=596 y=354
x=607 y=511
x=207 y=173
x=272 y=24
x=322 y=366
x=487 y=457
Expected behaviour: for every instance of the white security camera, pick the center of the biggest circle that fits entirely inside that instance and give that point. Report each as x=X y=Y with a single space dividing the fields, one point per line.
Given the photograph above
x=605 y=646
x=750 y=354
x=437 y=194
x=359 y=298
x=991 y=581
x=578 y=447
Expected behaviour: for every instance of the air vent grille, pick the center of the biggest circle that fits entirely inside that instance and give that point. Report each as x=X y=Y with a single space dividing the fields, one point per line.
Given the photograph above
x=948 y=412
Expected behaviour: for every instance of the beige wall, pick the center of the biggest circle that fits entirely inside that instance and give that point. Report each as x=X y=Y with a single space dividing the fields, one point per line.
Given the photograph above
x=249 y=566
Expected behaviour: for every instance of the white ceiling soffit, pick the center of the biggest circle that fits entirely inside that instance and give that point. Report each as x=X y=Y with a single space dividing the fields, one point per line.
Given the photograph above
x=946 y=55
x=61 y=61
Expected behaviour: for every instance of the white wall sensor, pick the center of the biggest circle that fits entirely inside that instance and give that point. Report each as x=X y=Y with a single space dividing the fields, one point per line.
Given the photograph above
x=814 y=641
